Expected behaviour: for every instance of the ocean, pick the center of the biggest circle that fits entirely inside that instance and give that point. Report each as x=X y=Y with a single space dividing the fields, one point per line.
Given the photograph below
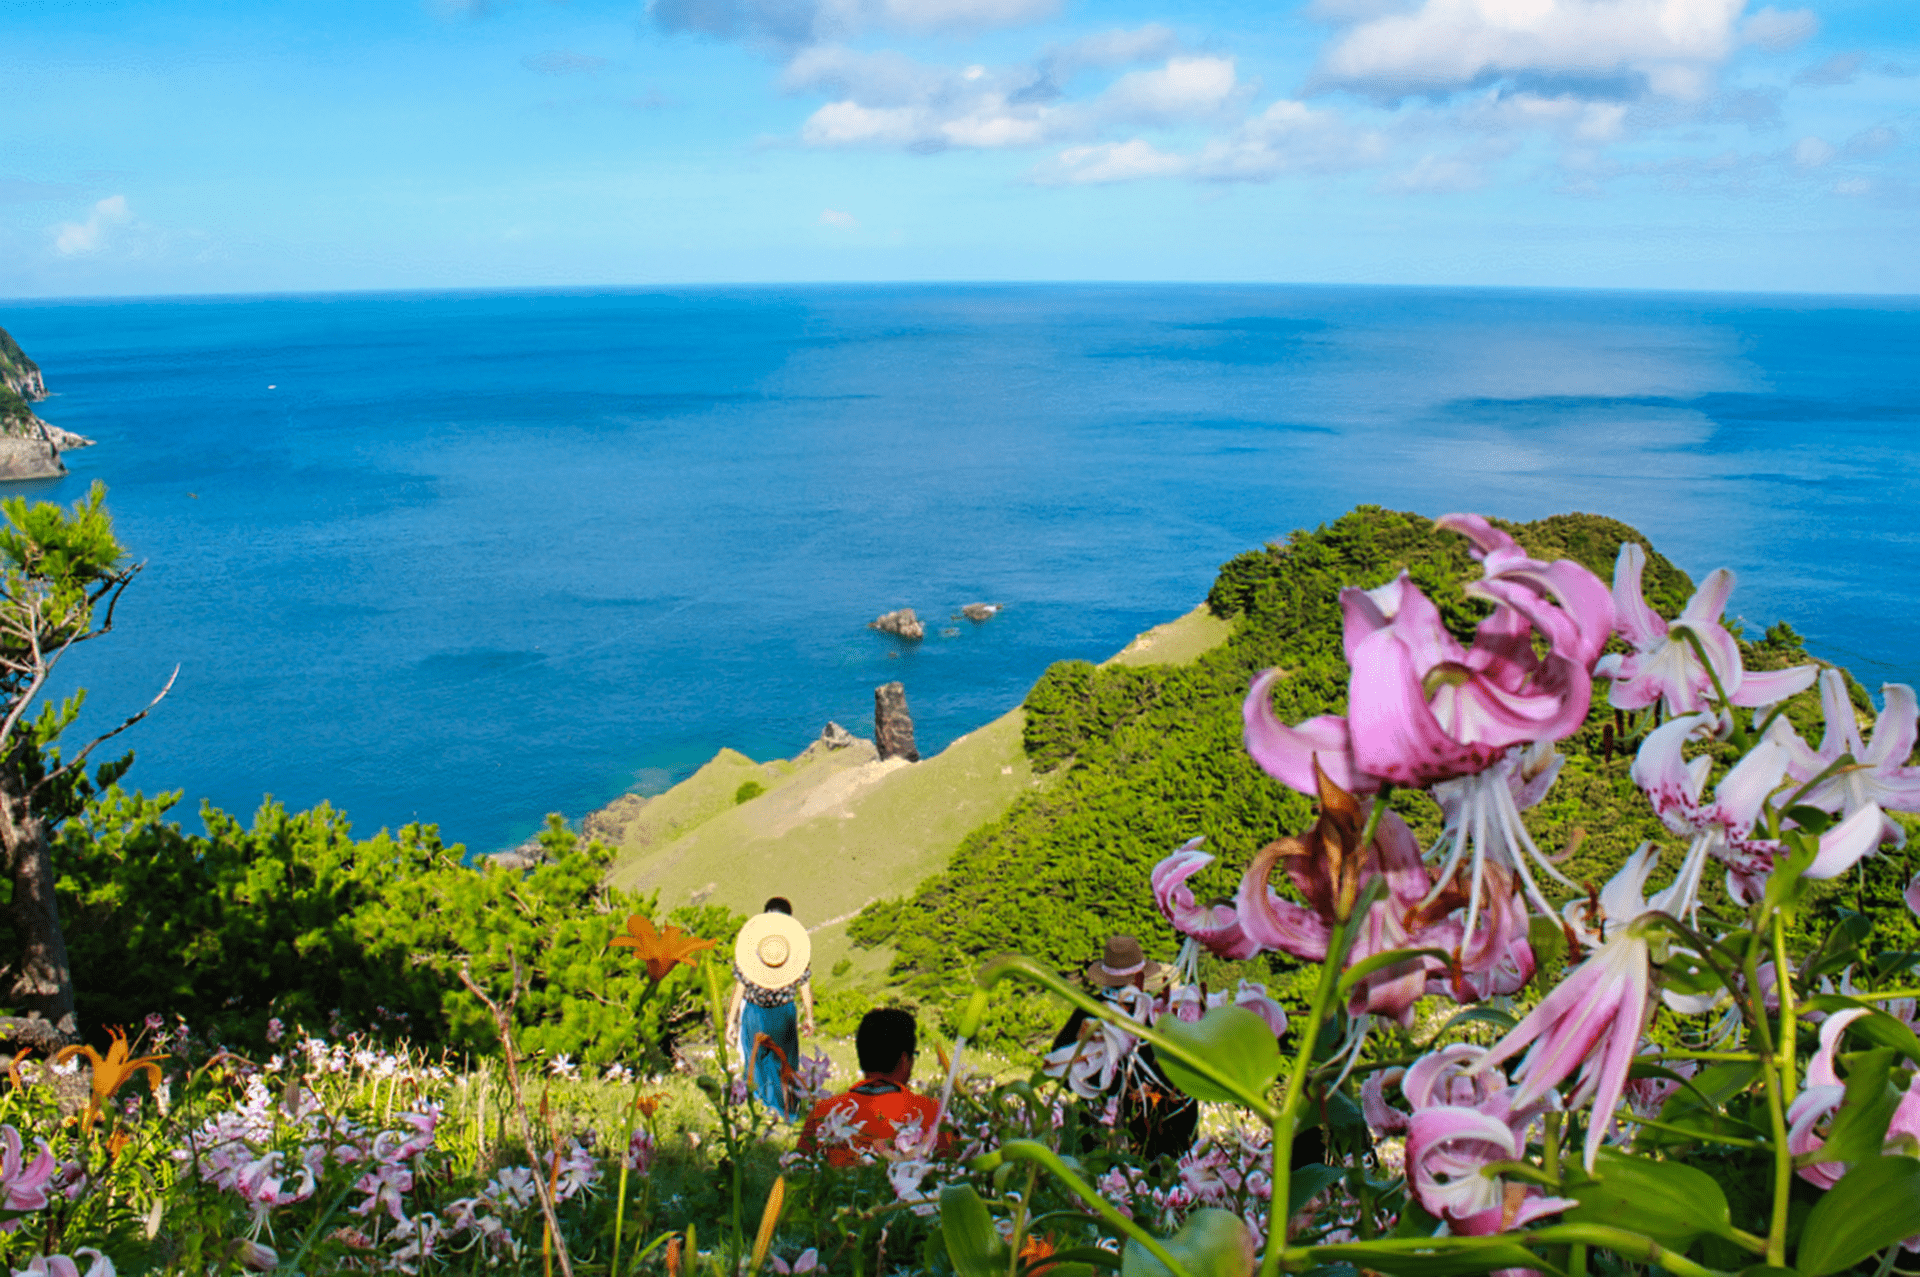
x=469 y=558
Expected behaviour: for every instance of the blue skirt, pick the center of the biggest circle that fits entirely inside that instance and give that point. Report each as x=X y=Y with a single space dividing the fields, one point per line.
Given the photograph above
x=782 y=1024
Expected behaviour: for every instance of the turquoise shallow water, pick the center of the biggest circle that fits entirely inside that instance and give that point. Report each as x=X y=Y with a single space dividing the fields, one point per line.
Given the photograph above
x=477 y=557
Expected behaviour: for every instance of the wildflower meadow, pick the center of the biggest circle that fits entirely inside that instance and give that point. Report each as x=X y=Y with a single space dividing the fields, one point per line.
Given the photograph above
x=1475 y=1062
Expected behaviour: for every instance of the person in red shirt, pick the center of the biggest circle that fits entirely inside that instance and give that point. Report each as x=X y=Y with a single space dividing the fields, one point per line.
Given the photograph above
x=872 y=1112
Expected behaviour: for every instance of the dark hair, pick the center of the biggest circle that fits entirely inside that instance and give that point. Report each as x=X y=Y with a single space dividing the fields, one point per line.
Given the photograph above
x=886 y=1034
x=779 y=904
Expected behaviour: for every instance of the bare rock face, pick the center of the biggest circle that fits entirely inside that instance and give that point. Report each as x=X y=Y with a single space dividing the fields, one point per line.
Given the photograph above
x=978 y=612
x=65 y=440
x=834 y=736
x=609 y=824
x=892 y=725
x=903 y=623
x=29 y=458
x=519 y=859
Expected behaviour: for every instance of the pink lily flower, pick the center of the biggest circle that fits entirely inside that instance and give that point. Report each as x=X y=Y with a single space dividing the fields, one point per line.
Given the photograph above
x=1421 y=708
x=1448 y=1149
x=1216 y=926
x=1328 y=869
x=1821 y=1098
x=1585 y=604
x=1591 y=1021
x=22 y=1188
x=98 y=1265
x=1879 y=773
x=1723 y=827
x=1482 y=813
x=1664 y=667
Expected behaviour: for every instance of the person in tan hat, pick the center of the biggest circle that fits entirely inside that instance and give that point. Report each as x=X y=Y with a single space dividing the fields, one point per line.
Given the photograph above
x=771 y=971
x=1159 y=1119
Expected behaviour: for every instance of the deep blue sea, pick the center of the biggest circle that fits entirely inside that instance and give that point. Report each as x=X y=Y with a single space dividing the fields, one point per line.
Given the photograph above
x=471 y=558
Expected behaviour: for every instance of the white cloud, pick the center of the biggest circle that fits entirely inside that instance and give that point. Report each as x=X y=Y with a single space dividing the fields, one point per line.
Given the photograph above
x=1111 y=49
x=1600 y=48
x=1813 y=152
x=1436 y=175
x=1871 y=143
x=1290 y=137
x=1853 y=186
x=850 y=124
x=792 y=24
x=75 y=239
x=962 y=15
x=840 y=221
x=1841 y=68
x=1185 y=88
x=1778 y=31
x=1109 y=162
x=886 y=99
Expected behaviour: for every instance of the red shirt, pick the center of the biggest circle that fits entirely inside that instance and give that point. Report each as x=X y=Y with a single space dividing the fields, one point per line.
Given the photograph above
x=879 y=1106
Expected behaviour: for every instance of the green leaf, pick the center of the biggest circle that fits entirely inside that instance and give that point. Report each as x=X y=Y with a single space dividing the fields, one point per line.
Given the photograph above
x=1669 y=1202
x=1307 y=1183
x=1710 y=1089
x=1876 y=1026
x=1233 y=1040
x=973 y=1243
x=1874 y=1206
x=1859 y=1129
x=1083 y=1255
x=1212 y=1243
x=1441 y=1257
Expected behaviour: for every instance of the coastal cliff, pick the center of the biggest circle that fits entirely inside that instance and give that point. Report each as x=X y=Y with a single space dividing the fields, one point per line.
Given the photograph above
x=29 y=447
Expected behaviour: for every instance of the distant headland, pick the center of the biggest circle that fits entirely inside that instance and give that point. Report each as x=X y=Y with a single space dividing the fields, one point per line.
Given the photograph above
x=29 y=447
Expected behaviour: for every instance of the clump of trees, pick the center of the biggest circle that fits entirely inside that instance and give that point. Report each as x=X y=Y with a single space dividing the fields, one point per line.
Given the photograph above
x=118 y=913
x=1143 y=758
x=294 y=919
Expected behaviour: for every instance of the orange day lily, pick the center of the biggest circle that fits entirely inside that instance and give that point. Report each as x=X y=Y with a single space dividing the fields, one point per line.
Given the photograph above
x=110 y=1073
x=659 y=950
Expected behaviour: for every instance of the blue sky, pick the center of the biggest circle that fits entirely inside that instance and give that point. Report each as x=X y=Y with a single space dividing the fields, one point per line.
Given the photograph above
x=199 y=147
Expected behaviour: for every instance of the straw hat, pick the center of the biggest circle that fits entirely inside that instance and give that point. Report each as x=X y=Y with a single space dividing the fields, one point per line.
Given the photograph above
x=1121 y=961
x=772 y=950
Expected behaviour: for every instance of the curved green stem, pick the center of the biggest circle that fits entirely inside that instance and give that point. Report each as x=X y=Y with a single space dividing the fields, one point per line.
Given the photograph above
x=1016 y=965
x=1632 y=1246
x=1283 y=1122
x=1033 y=1151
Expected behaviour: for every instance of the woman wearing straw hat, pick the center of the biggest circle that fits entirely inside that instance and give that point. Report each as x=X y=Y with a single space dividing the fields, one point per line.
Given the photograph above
x=770 y=970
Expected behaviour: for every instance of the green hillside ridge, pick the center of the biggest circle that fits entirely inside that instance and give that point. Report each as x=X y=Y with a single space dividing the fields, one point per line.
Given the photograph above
x=1137 y=760
x=835 y=830
x=20 y=384
x=17 y=372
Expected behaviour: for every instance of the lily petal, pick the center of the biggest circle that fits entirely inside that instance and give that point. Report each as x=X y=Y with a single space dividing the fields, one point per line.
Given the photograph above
x=1287 y=753
x=1842 y=846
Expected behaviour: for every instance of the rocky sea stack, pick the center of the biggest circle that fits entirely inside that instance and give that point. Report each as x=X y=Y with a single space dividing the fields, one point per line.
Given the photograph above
x=29 y=447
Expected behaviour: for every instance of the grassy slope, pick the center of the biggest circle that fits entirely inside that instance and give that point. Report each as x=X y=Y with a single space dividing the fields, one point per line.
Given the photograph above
x=1139 y=760
x=836 y=831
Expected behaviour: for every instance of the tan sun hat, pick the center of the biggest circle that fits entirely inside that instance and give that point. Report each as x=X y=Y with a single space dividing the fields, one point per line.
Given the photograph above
x=772 y=950
x=1121 y=961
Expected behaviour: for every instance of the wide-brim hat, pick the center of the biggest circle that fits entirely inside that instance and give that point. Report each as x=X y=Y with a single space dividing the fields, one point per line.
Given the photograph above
x=772 y=950
x=1121 y=961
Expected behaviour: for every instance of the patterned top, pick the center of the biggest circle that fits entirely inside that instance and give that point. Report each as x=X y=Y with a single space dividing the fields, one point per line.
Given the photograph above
x=761 y=996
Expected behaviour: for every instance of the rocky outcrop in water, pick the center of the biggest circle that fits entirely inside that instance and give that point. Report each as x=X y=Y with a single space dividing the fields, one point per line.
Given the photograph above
x=892 y=724
x=29 y=447
x=902 y=623
x=978 y=612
